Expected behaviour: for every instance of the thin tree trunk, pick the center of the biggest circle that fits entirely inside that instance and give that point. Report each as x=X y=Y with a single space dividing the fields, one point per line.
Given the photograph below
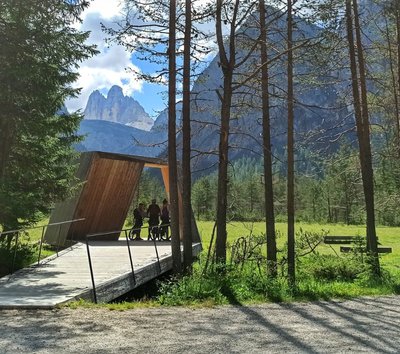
x=223 y=171
x=362 y=123
x=268 y=188
x=227 y=66
x=398 y=68
x=394 y=84
x=290 y=150
x=172 y=162
x=6 y=139
x=186 y=175
x=329 y=208
x=372 y=242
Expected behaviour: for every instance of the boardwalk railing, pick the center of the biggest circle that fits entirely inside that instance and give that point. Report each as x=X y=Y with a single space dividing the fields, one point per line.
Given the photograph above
x=126 y=232
x=11 y=234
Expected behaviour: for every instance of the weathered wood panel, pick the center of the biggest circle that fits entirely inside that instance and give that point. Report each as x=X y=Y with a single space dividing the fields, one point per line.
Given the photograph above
x=106 y=196
x=65 y=211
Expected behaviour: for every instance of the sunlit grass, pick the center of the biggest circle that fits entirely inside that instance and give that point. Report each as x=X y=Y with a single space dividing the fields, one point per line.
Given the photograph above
x=388 y=236
x=120 y=306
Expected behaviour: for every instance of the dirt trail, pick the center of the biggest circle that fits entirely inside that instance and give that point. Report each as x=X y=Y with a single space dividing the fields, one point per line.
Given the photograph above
x=361 y=325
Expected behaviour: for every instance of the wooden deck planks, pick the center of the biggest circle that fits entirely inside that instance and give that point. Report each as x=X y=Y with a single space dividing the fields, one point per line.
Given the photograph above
x=67 y=277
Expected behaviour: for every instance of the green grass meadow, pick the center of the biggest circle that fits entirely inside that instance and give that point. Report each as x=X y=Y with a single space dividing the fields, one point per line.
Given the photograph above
x=388 y=236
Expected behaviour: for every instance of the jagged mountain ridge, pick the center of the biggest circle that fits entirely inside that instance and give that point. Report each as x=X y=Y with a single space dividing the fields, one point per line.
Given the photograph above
x=102 y=135
x=323 y=106
x=117 y=108
x=318 y=106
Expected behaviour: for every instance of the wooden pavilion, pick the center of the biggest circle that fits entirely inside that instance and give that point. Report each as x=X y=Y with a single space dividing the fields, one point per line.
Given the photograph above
x=108 y=183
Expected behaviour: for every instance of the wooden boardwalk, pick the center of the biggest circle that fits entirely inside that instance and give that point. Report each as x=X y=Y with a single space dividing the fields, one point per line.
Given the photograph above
x=66 y=278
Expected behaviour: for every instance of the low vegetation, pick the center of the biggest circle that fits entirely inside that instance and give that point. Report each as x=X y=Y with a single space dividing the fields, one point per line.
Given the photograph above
x=323 y=273
x=12 y=258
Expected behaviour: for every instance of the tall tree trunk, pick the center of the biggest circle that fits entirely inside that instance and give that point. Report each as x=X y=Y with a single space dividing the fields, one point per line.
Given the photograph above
x=227 y=66
x=372 y=242
x=186 y=170
x=172 y=163
x=329 y=208
x=223 y=171
x=362 y=123
x=290 y=149
x=268 y=188
x=398 y=69
x=394 y=85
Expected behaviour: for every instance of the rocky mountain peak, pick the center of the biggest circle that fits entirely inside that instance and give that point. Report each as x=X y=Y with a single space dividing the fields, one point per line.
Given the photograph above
x=117 y=108
x=115 y=92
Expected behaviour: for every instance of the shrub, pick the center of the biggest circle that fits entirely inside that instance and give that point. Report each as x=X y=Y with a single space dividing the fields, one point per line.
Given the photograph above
x=24 y=256
x=331 y=268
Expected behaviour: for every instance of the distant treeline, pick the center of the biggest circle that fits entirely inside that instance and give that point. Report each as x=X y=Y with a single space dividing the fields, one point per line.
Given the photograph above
x=331 y=192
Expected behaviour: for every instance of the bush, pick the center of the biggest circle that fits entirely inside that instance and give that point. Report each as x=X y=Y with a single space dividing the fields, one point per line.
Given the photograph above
x=332 y=268
x=24 y=256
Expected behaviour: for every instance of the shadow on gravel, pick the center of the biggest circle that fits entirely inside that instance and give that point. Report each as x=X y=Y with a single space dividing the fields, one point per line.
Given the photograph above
x=253 y=315
x=360 y=328
x=378 y=302
x=279 y=331
x=360 y=324
x=47 y=335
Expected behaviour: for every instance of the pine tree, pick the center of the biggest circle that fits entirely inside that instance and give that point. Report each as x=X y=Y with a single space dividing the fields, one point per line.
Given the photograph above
x=39 y=53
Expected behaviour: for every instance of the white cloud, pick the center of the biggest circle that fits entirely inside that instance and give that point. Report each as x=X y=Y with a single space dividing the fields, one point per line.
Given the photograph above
x=109 y=67
x=106 y=9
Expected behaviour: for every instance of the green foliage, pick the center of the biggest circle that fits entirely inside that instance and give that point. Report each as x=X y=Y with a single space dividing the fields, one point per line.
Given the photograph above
x=334 y=195
x=203 y=197
x=320 y=276
x=24 y=255
x=39 y=54
x=331 y=268
x=250 y=286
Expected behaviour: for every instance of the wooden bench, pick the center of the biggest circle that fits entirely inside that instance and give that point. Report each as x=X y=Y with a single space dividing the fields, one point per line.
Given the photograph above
x=346 y=249
x=351 y=240
x=340 y=240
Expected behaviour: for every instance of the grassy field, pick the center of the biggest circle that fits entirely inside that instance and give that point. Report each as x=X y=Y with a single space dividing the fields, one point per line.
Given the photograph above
x=388 y=236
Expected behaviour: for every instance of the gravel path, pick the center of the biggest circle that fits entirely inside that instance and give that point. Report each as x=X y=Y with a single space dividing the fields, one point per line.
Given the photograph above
x=361 y=325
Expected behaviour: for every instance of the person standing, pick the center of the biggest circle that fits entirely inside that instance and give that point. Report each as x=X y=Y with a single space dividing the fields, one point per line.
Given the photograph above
x=153 y=212
x=139 y=213
x=164 y=230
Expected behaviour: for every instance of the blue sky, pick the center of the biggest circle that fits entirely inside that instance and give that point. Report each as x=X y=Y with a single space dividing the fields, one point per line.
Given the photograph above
x=109 y=67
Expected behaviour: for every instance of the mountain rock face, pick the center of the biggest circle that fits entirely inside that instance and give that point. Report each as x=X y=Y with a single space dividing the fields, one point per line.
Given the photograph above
x=318 y=107
x=322 y=109
x=117 y=108
x=161 y=122
x=101 y=135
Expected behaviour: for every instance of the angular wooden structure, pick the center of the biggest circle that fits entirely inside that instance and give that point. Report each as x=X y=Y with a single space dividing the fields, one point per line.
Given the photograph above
x=108 y=184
